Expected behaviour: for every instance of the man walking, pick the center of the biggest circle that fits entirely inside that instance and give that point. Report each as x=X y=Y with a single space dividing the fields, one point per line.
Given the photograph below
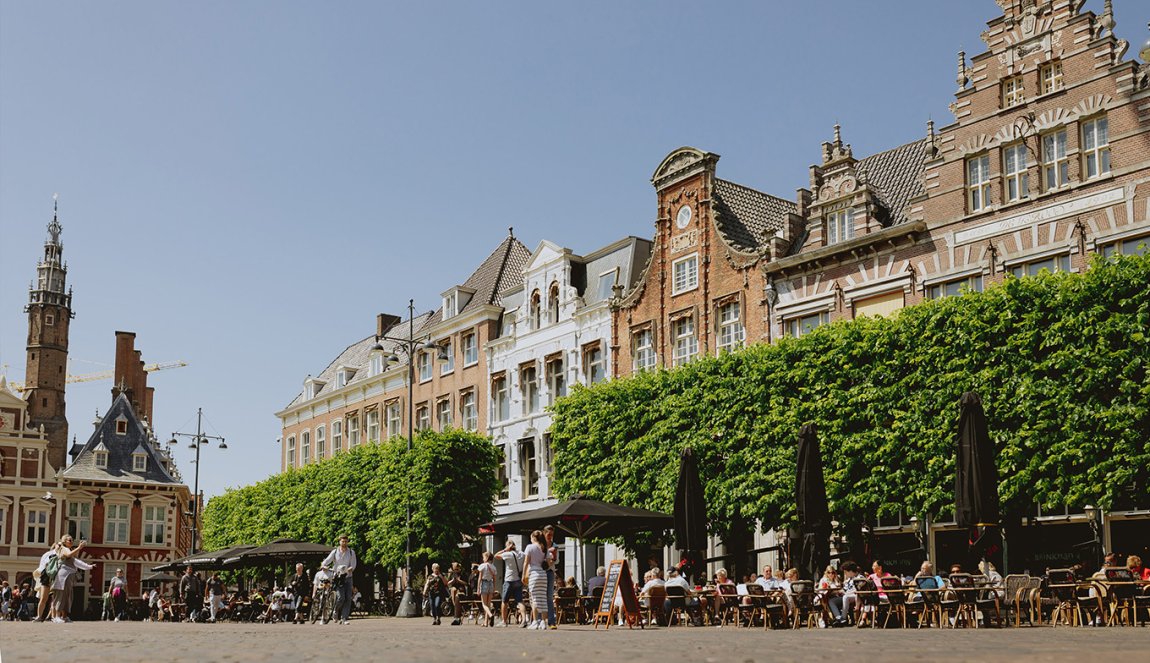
x=192 y=591
x=215 y=595
x=342 y=560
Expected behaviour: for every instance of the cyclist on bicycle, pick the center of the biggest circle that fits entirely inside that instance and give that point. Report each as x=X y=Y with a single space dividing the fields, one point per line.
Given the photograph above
x=343 y=560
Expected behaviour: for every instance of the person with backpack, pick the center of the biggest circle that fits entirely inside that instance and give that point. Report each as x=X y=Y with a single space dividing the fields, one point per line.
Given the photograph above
x=67 y=564
x=118 y=589
x=43 y=577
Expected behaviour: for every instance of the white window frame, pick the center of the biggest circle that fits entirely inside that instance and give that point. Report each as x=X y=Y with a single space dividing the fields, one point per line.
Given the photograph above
x=840 y=225
x=424 y=361
x=529 y=467
x=352 y=432
x=154 y=528
x=468 y=411
x=443 y=415
x=3 y=522
x=371 y=426
x=79 y=513
x=101 y=458
x=376 y=363
x=1096 y=147
x=1055 y=163
x=449 y=350
x=978 y=183
x=117 y=529
x=1050 y=75
x=686 y=343
x=422 y=417
x=529 y=388
x=1013 y=91
x=553 y=303
x=798 y=325
x=556 y=379
x=645 y=357
x=336 y=435
x=500 y=401
x=394 y=419
x=953 y=287
x=685 y=274
x=731 y=331
x=470 y=349
x=1015 y=173
x=291 y=451
x=320 y=442
x=1058 y=262
x=595 y=363
x=139 y=462
x=305 y=447
x=36 y=525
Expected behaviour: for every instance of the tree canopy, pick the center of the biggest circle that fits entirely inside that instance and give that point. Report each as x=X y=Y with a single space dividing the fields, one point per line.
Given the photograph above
x=1060 y=361
x=449 y=477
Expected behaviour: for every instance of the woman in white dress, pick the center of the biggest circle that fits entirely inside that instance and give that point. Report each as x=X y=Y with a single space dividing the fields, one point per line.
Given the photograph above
x=537 y=581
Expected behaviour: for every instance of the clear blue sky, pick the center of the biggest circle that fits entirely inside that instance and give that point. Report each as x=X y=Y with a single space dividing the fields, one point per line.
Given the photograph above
x=245 y=184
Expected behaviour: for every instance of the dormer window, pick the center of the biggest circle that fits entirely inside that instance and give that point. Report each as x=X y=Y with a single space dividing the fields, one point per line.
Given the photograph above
x=840 y=225
x=312 y=387
x=343 y=376
x=101 y=458
x=449 y=302
x=376 y=363
x=121 y=426
x=454 y=300
x=139 y=462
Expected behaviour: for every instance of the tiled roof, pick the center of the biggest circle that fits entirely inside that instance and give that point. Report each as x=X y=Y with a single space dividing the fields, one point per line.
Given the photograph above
x=357 y=356
x=748 y=218
x=501 y=270
x=120 y=448
x=896 y=177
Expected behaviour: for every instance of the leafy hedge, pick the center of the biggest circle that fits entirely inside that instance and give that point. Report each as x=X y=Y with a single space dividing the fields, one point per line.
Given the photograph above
x=362 y=492
x=1060 y=361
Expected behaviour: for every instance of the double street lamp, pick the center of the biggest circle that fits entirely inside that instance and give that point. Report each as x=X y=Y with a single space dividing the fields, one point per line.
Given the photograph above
x=199 y=438
x=410 y=347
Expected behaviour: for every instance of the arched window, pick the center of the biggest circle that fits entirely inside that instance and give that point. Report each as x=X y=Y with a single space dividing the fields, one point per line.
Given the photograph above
x=535 y=311
x=553 y=303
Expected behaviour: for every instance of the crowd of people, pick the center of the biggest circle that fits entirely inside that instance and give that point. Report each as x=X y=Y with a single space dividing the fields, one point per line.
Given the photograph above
x=47 y=597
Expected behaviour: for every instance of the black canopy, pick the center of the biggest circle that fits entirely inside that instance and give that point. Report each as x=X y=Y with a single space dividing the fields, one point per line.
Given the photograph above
x=200 y=561
x=583 y=517
x=280 y=550
x=811 y=501
x=976 y=480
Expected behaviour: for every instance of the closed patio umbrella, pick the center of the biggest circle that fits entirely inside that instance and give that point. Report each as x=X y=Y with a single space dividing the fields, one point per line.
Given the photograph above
x=690 y=513
x=811 y=501
x=976 y=482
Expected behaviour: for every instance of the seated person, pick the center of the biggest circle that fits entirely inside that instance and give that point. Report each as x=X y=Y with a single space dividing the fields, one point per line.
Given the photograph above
x=827 y=587
x=651 y=579
x=848 y=600
x=1134 y=564
x=690 y=602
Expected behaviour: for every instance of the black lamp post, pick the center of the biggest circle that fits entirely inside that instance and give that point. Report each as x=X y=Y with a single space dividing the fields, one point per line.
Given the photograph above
x=408 y=607
x=198 y=438
x=1094 y=517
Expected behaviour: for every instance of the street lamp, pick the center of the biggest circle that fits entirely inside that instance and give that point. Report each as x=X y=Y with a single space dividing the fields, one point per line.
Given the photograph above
x=199 y=438
x=1093 y=515
x=772 y=296
x=410 y=346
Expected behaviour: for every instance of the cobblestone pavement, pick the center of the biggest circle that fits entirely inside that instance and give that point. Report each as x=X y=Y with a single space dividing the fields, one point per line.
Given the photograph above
x=389 y=639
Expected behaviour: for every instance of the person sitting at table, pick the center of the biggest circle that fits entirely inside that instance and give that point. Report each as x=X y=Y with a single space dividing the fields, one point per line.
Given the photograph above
x=876 y=576
x=849 y=599
x=571 y=583
x=767 y=580
x=652 y=578
x=1140 y=572
x=597 y=580
x=690 y=602
x=721 y=578
x=828 y=587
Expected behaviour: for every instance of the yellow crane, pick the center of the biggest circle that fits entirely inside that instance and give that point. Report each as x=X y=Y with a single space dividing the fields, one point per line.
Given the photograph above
x=108 y=375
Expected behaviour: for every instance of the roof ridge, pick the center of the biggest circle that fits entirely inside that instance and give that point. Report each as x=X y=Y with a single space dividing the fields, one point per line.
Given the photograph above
x=892 y=149
x=754 y=190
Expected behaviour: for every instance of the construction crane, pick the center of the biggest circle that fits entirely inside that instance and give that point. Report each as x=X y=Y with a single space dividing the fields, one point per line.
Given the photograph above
x=108 y=375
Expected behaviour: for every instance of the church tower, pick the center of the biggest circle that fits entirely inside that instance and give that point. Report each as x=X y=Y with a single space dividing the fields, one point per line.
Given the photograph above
x=50 y=314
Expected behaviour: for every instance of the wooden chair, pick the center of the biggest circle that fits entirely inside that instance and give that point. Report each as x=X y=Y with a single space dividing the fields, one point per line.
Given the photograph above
x=656 y=597
x=931 y=594
x=677 y=597
x=765 y=605
x=1015 y=587
x=896 y=600
x=567 y=604
x=728 y=604
x=1142 y=605
x=1121 y=591
x=803 y=609
x=1061 y=585
x=868 y=603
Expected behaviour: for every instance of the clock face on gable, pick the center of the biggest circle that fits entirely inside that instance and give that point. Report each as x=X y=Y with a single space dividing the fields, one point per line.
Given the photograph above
x=683 y=218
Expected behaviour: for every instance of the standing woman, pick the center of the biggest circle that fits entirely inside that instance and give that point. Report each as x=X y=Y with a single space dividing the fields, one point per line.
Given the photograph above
x=536 y=558
x=44 y=584
x=433 y=589
x=552 y=562
x=66 y=576
x=487 y=587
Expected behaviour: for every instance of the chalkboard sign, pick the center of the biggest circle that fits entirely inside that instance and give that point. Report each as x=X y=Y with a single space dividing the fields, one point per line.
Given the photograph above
x=618 y=580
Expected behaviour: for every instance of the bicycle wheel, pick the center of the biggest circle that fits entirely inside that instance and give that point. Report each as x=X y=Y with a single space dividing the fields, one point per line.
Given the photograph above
x=316 y=607
x=325 y=608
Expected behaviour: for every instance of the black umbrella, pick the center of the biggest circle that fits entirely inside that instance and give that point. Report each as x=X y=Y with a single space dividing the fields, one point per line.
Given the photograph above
x=976 y=481
x=280 y=550
x=811 y=500
x=690 y=513
x=583 y=517
x=159 y=577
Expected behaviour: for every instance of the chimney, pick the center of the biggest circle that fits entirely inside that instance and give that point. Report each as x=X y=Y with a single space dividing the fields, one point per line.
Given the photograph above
x=122 y=376
x=385 y=322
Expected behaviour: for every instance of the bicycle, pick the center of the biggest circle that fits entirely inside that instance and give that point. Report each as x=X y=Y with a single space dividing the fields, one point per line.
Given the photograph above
x=327 y=599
